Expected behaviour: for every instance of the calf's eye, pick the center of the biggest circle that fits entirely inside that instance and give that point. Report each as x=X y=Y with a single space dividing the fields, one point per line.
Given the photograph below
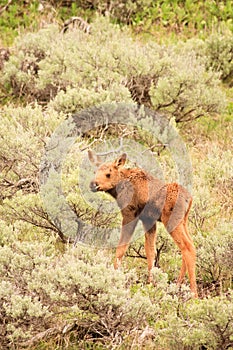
x=108 y=175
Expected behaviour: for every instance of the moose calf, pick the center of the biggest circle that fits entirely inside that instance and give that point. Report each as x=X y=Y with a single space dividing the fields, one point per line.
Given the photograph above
x=140 y=196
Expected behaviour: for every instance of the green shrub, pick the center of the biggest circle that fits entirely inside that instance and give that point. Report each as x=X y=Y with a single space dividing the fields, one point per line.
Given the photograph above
x=37 y=287
x=23 y=133
x=215 y=52
x=15 y=16
x=75 y=99
x=77 y=298
x=214 y=257
x=204 y=324
x=177 y=16
x=219 y=51
x=57 y=296
x=213 y=186
x=185 y=91
x=69 y=71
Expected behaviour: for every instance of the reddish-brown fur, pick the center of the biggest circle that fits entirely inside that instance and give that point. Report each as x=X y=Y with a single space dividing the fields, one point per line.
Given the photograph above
x=140 y=196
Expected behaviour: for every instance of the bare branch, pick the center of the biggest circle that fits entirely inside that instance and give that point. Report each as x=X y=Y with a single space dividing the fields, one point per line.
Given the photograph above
x=4 y=8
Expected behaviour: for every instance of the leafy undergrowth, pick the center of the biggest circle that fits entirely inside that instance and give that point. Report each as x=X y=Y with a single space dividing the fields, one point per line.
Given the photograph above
x=57 y=296
x=78 y=299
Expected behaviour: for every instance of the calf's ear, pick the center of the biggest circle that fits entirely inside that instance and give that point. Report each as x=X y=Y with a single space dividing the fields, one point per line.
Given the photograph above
x=121 y=160
x=94 y=158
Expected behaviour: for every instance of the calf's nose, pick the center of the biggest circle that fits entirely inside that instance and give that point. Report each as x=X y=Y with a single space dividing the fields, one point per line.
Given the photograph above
x=94 y=186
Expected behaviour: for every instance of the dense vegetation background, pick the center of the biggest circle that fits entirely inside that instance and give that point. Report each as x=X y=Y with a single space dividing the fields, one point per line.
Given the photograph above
x=58 y=57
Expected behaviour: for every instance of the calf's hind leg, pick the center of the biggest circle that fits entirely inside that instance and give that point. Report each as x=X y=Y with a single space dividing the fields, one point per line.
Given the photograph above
x=188 y=252
x=174 y=217
x=185 y=224
x=182 y=272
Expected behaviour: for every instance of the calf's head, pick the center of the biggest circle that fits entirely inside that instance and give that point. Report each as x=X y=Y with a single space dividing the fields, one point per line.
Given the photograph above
x=108 y=174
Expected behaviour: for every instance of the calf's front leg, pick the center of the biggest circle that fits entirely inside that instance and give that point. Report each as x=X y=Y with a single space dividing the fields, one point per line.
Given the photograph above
x=150 y=241
x=128 y=226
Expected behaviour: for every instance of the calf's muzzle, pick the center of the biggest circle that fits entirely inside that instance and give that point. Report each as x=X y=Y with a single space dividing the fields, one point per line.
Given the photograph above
x=94 y=186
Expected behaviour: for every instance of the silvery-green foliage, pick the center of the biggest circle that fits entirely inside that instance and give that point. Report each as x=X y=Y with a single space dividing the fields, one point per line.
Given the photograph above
x=215 y=52
x=219 y=51
x=183 y=91
x=213 y=323
x=219 y=166
x=23 y=134
x=74 y=99
x=214 y=256
x=75 y=70
x=38 y=283
x=22 y=68
x=214 y=176
x=206 y=323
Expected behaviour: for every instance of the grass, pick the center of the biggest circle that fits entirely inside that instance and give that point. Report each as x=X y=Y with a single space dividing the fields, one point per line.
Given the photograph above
x=163 y=20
